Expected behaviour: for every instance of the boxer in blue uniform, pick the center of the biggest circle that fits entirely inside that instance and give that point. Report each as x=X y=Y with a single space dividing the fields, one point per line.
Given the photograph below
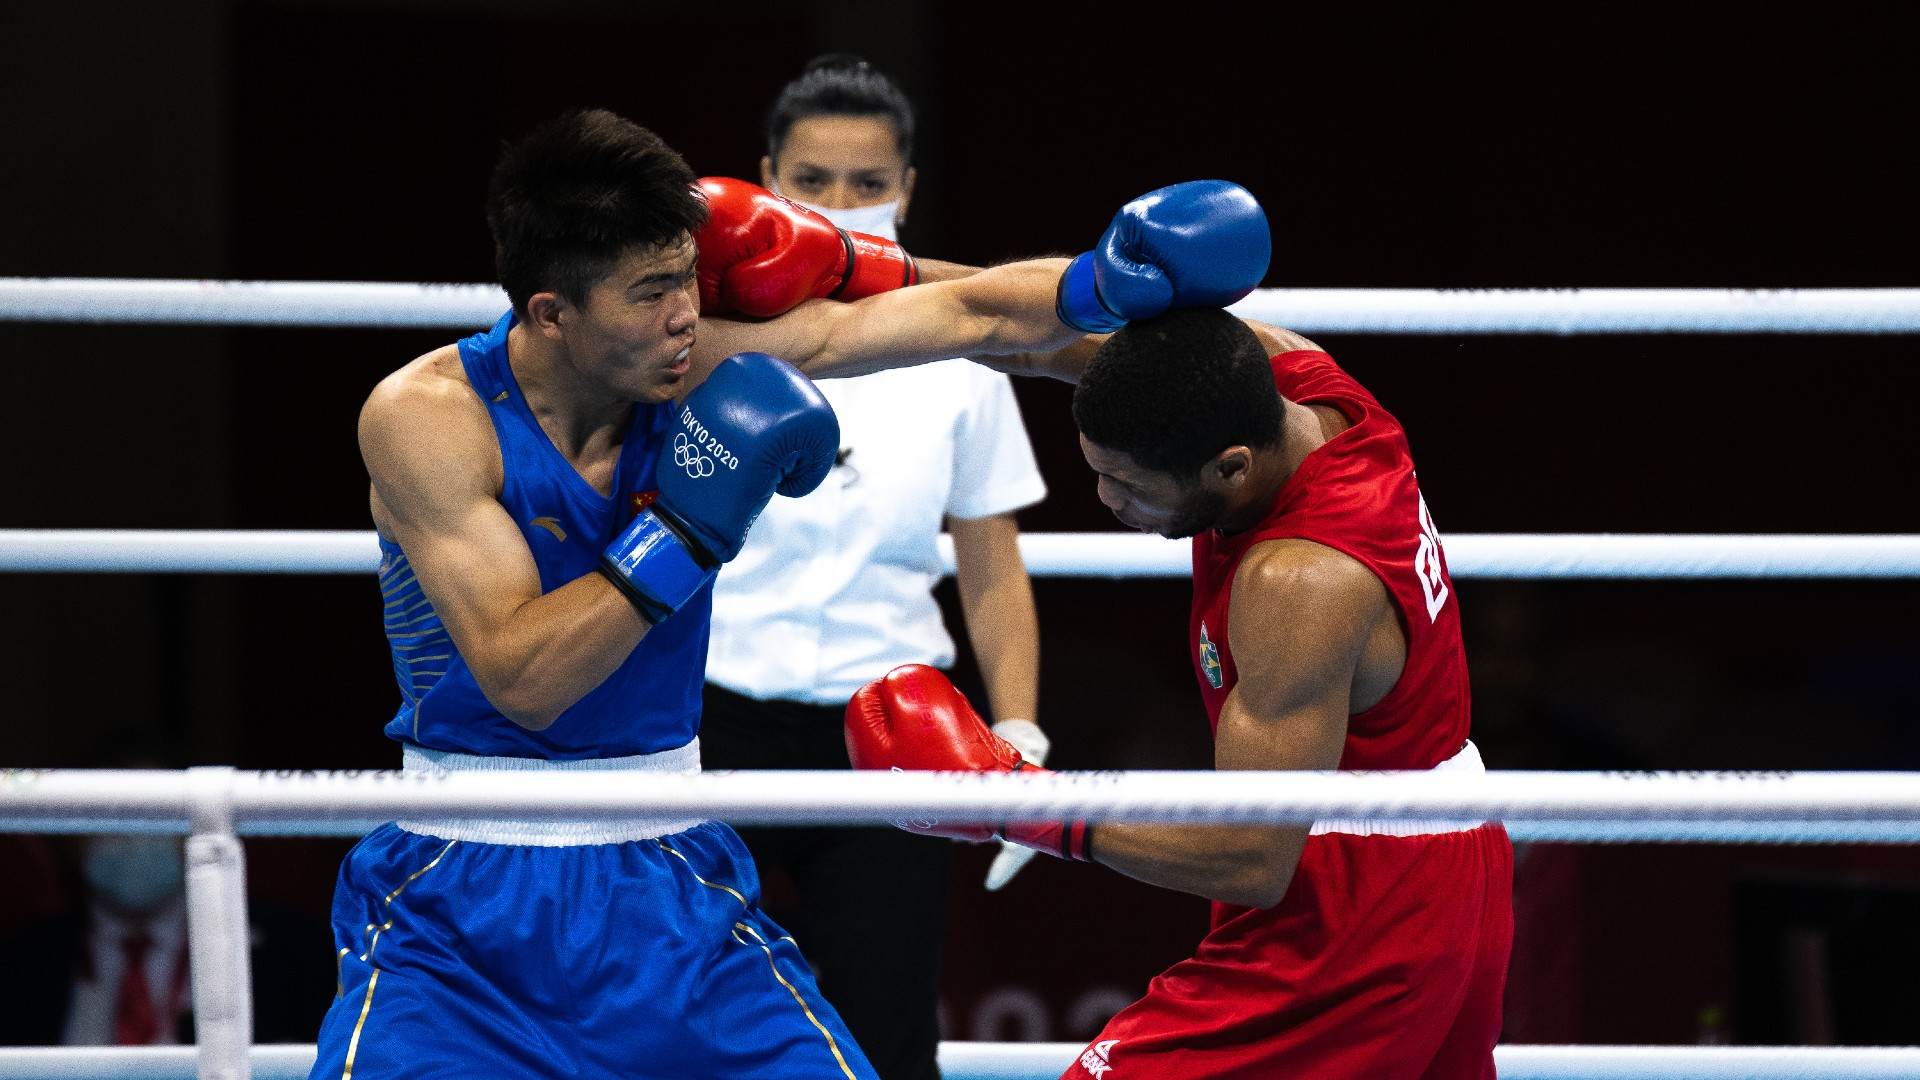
x=554 y=497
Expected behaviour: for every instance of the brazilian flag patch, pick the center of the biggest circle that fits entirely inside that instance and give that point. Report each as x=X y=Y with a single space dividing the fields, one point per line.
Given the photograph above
x=1210 y=660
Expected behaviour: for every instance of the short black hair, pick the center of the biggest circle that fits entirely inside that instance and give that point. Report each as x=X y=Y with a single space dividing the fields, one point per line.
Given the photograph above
x=583 y=189
x=840 y=84
x=1172 y=392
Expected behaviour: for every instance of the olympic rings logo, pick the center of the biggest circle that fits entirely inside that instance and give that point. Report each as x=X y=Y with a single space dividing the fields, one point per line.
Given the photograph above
x=688 y=456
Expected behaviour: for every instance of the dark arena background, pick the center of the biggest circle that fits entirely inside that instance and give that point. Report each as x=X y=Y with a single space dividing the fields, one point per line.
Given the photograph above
x=1426 y=148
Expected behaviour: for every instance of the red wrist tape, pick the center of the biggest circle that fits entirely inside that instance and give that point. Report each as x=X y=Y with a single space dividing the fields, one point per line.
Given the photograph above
x=1076 y=840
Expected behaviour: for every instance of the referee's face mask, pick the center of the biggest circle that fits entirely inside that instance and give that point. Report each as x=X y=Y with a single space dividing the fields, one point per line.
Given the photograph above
x=875 y=220
x=846 y=168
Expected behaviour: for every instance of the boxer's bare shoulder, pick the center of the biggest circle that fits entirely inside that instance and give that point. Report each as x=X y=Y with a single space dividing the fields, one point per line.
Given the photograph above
x=427 y=381
x=424 y=426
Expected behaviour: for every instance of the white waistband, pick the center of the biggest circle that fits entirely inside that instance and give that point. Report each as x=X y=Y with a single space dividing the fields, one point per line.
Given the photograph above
x=1466 y=761
x=681 y=759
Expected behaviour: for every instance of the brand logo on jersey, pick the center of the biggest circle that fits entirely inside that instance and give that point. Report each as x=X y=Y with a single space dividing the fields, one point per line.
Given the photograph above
x=697 y=451
x=638 y=501
x=552 y=525
x=1210 y=660
x=1095 y=1060
x=1428 y=565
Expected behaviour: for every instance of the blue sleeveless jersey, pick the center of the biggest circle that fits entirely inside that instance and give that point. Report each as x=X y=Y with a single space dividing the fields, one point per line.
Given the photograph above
x=651 y=702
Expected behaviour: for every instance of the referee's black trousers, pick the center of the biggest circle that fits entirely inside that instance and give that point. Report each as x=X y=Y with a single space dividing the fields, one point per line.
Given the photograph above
x=873 y=901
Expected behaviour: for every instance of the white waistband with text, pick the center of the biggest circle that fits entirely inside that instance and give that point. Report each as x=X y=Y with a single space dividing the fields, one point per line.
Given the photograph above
x=1467 y=761
x=680 y=759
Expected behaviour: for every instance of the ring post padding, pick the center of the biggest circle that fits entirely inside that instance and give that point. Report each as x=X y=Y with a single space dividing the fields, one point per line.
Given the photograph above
x=217 y=934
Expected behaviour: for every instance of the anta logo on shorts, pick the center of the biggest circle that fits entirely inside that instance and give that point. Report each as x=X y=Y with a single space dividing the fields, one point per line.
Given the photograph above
x=1095 y=1059
x=1210 y=660
x=697 y=451
x=638 y=501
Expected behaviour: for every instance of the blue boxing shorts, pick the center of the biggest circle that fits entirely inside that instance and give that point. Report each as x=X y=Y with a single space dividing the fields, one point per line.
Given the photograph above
x=538 y=950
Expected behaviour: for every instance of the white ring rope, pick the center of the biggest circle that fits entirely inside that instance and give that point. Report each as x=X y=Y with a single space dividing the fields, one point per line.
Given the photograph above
x=1587 y=311
x=250 y=303
x=1356 y=311
x=1808 y=807
x=1790 y=808
x=1104 y=555
x=1042 y=1061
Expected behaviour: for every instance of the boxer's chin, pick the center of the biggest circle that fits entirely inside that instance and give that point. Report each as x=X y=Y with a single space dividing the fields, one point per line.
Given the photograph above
x=1201 y=513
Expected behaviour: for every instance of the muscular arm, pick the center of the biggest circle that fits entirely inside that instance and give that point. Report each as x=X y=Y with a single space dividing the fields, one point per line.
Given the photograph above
x=997 y=598
x=1002 y=310
x=436 y=472
x=1068 y=363
x=932 y=270
x=1301 y=615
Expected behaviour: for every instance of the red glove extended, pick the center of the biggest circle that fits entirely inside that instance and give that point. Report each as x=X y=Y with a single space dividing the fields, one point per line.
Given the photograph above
x=760 y=254
x=913 y=719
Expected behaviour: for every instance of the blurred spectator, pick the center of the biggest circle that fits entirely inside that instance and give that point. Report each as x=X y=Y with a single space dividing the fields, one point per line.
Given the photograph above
x=110 y=968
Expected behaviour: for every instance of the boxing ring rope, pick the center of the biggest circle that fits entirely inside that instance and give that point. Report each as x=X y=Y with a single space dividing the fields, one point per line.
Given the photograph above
x=1670 y=807
x=1351 y=311
x=215 y=805
x=1021 y=1061
x=1101 y=555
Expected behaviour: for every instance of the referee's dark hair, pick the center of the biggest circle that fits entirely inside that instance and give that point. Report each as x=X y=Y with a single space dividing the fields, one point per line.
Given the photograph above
x=840 y=84
x=1172 y=392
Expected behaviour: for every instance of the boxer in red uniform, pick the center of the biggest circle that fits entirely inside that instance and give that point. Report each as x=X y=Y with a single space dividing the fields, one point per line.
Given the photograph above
x=1325 y=633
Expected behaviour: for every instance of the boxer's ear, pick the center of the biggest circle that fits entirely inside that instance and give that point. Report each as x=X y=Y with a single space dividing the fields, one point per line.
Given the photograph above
x=766 y=172
x=1228 y=470
x=543 y=313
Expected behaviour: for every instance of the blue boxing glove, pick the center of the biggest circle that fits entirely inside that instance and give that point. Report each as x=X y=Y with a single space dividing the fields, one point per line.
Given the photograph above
x=754 y=427
x=1203 y=243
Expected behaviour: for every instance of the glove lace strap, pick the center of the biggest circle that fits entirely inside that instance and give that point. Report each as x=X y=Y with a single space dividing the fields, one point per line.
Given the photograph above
x=846 y=275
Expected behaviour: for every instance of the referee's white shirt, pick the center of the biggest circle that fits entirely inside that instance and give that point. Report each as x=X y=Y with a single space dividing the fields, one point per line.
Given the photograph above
x=834 y=589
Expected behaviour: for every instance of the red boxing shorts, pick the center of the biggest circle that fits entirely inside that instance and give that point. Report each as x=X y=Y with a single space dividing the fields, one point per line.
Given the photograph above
x=1386 y=960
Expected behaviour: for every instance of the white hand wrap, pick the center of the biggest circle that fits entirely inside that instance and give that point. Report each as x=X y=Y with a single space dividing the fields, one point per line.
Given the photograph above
x=1026 y=737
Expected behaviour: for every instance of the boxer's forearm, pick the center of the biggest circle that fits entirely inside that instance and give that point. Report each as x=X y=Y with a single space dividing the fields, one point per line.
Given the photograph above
x=555 y=649
x=932 y=270
x=1066 y=364
x=1249 y=865
x=1005 y=309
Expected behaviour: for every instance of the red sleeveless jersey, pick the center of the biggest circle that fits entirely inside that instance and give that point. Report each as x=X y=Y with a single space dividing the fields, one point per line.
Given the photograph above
x=1356 y=494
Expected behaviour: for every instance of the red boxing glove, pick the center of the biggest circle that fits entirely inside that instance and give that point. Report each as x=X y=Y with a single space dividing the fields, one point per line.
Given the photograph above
x=761 y=254
x=914 y=720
